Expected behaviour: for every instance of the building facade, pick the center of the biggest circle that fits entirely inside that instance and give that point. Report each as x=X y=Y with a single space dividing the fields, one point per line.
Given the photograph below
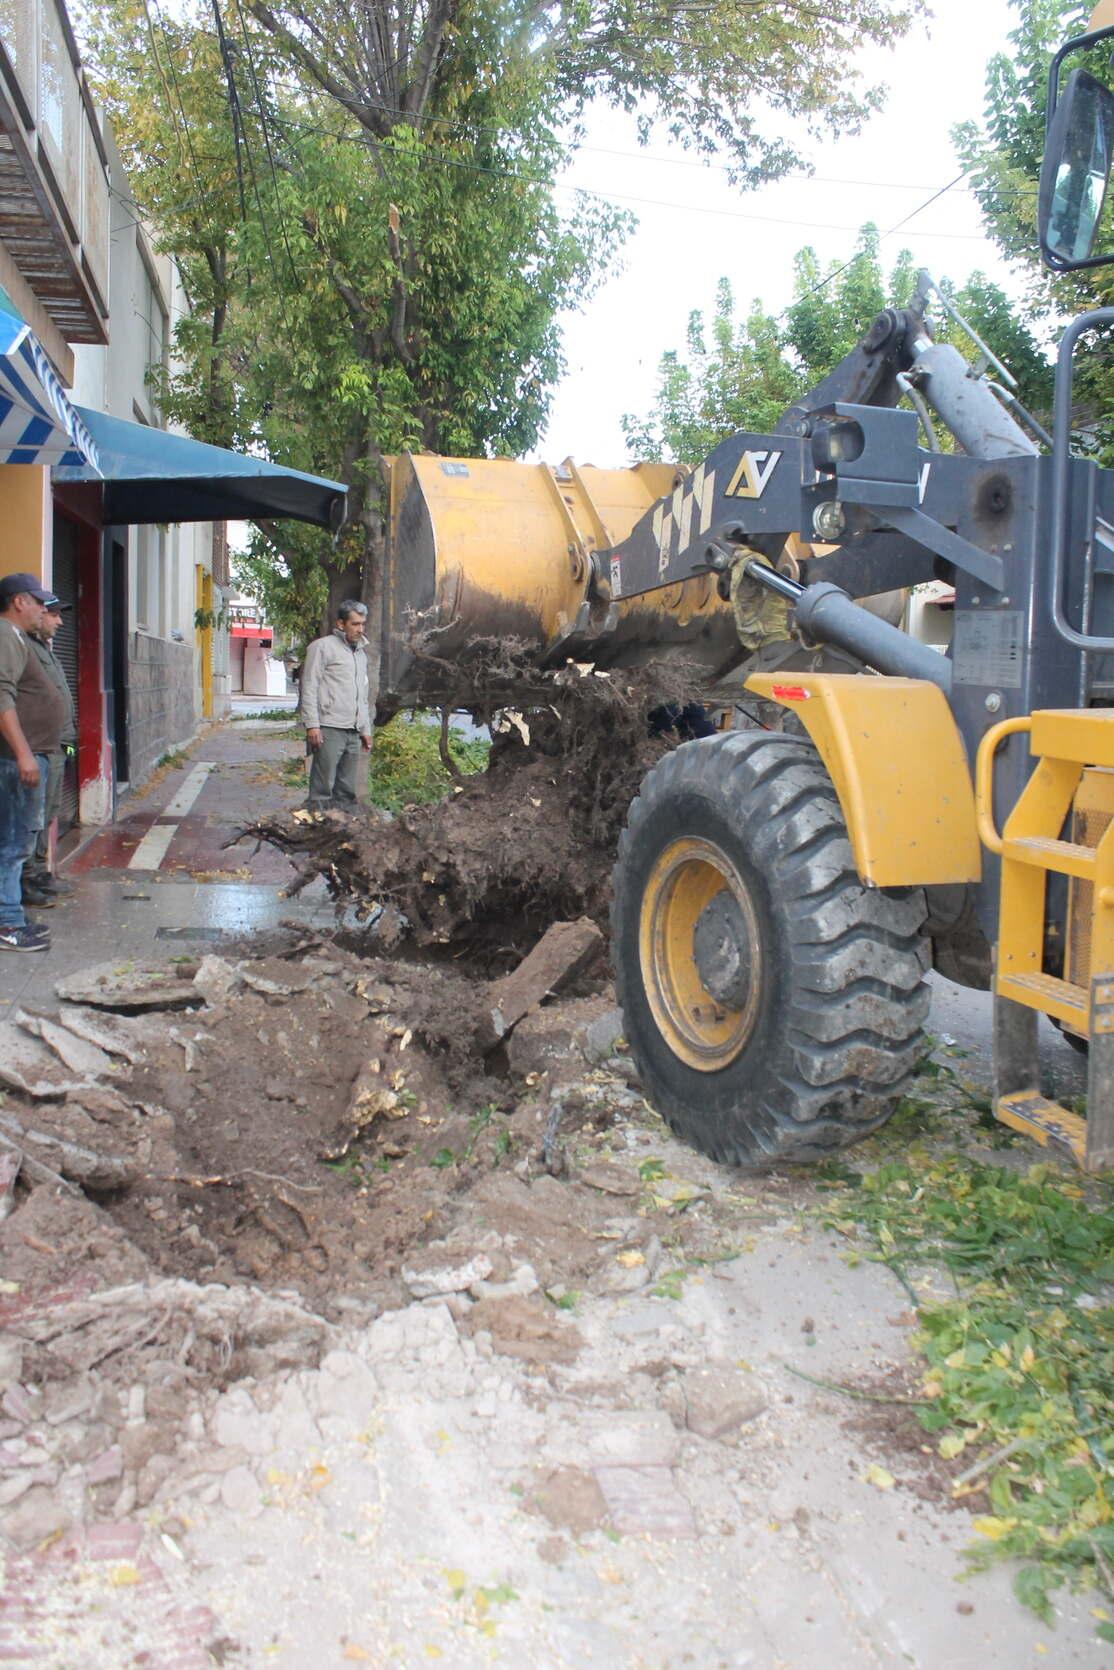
x=122 y=517
x=145 y=636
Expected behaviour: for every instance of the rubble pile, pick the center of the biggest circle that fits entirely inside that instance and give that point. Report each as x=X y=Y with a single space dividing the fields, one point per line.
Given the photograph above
x=209 y=1170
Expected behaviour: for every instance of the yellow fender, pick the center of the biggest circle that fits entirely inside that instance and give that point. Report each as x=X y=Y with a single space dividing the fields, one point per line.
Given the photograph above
x=896 y=760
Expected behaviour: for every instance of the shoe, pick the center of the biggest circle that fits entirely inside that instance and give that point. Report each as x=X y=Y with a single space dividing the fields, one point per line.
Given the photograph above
x=34 y=899
x=47 y=883
x=24 y=939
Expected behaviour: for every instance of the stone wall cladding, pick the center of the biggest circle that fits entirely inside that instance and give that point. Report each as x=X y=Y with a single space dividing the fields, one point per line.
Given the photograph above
x=161 y=706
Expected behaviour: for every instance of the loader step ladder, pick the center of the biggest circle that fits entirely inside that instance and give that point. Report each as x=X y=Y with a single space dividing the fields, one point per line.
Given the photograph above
x=1030 y=847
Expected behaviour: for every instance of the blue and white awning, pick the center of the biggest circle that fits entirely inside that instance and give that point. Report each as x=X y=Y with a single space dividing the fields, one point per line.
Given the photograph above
x=38 y=424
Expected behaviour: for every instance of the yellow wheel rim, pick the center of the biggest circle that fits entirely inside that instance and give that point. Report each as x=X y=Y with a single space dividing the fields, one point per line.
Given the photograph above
x=707 y=1031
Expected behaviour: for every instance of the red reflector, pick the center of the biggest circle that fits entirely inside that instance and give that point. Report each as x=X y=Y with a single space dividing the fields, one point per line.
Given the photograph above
x=790 y=693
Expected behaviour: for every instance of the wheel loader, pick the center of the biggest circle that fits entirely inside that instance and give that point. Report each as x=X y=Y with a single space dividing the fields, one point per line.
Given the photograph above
x=782 y=890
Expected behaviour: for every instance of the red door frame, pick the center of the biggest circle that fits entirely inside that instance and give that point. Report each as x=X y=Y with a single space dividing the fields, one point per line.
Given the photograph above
x=94 y=755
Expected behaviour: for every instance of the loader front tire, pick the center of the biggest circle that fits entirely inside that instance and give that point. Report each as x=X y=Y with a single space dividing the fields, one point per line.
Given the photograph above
x=772 y=1003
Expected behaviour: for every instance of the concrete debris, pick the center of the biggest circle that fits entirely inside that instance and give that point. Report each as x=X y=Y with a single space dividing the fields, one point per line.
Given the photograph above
x=107 y=1036
x=131 y=986
x=565 y=951
x=216 y=977
x=720 y=1399
x=79 y=1055
x=435 y=1280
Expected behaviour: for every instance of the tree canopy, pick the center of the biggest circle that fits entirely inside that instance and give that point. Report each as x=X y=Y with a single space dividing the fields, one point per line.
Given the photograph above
x=742 y=374
x=360 y=194
x=1003 y=153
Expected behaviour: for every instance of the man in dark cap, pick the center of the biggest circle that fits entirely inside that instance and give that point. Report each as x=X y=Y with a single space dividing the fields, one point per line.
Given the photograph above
x=42 y=888
x=32 y=713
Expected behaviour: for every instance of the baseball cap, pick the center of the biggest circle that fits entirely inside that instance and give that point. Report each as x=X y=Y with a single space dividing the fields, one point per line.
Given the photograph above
x=55 y=604
x=13 y=584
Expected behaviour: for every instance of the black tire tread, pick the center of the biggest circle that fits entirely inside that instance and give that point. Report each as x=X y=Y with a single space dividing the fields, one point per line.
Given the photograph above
x=852 y=1029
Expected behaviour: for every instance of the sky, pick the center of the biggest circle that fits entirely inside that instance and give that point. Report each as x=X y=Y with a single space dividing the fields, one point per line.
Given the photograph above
x=698 y=227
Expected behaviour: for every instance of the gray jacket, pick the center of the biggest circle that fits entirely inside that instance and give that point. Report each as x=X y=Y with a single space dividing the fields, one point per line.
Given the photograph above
x=335 y=685
x=55 y=672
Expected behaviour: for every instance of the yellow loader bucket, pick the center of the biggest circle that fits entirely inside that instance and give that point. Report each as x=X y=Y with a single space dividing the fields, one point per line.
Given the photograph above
x=481 y=547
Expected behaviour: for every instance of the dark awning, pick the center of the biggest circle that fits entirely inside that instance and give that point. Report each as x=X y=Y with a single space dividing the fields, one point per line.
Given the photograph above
x=150 y=475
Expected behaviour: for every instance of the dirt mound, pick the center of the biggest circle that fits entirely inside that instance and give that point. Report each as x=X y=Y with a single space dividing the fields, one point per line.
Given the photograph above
x=529 y=842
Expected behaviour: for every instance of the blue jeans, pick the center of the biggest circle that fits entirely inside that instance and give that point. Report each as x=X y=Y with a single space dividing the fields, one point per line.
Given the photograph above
x=21 y=813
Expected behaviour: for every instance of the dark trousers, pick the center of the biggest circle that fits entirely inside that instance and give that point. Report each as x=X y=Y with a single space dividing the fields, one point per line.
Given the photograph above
x=334 y=774
x=37 y=864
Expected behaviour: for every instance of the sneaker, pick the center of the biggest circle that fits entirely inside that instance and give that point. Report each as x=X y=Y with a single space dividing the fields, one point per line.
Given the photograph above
x=35 y=899
x=24 y=939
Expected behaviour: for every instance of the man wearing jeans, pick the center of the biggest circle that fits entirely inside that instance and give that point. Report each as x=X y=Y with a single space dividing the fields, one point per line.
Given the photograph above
x=335 y=709
x=41 y=887
x=31 y=717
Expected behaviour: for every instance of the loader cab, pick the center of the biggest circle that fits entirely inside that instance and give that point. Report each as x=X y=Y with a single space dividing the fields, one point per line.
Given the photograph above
x=1075 y=210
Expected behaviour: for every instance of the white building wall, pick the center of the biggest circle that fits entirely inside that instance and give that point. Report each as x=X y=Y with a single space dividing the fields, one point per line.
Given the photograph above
x=146 y=299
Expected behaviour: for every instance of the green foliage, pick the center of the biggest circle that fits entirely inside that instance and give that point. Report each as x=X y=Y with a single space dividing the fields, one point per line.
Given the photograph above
x=406 y=768
x=752 y=370
x=1004 y=155
x=1019 y=1376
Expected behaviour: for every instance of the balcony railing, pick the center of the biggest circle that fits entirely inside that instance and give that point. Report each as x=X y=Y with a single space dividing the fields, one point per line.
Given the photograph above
x=53 y=169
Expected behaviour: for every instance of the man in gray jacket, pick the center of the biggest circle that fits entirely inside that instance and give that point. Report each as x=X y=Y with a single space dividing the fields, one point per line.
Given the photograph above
x=335 y=709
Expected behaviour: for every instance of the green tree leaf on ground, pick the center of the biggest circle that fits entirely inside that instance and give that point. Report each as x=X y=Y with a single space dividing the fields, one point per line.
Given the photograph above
x=1019 y=1364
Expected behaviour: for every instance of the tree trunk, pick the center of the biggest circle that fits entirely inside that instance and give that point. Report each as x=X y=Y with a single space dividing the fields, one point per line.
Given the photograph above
x=357 y=574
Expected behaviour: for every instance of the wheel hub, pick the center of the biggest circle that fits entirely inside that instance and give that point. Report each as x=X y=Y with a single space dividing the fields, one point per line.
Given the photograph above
x=721 y=949
x=701 y=953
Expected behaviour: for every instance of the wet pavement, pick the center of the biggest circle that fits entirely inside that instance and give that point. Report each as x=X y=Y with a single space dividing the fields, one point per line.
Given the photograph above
x=167 y=878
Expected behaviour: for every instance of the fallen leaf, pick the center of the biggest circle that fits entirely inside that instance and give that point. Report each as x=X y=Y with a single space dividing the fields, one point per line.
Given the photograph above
x=319 y=1476
x=880 y=1477
x=124 y=1575
x=630 y=1259
x=992 y=1526
x=456 y=1580
x=357 y=1653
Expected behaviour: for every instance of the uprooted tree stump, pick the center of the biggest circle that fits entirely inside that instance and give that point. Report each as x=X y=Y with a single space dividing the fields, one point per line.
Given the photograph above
x=527 y=843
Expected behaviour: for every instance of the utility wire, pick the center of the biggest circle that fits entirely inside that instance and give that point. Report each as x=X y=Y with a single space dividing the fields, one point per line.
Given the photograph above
x=264 y=126
x=441 y=159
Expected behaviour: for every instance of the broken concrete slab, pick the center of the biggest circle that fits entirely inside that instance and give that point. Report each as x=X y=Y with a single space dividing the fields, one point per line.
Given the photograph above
x=79 y=1055
x=646 y=1499
x=98 y=1030
x=132 y=985
x=565 y=950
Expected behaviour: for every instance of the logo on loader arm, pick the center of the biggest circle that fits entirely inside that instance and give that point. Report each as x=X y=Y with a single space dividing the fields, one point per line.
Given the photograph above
x=752 y=476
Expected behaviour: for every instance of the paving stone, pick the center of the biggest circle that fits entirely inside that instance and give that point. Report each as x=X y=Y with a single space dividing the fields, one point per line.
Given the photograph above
x=645 y=1499
x=720 y=1398
x=36 y=1516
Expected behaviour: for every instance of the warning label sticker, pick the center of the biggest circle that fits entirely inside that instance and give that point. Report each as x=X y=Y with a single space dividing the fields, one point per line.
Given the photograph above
x=987 y=648
x=616 y=578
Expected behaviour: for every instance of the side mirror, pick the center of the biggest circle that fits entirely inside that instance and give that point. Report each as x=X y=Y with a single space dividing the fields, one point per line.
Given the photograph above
x=1075 y=174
